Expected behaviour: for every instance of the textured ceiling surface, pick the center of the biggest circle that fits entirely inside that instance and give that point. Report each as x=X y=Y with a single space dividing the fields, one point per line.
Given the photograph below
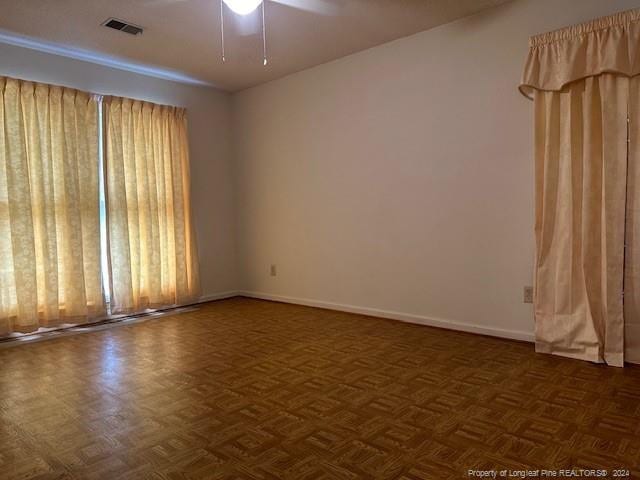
x=184 y=35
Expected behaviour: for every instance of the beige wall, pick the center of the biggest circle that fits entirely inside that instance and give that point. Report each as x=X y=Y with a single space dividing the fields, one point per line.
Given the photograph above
x=399 y=180
x=209 y=139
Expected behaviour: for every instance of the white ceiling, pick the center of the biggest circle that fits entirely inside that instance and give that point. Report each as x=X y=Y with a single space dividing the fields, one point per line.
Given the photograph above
x=184 y=35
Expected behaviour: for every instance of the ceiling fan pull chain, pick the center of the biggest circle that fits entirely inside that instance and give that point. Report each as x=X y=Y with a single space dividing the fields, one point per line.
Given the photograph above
x=264 y=37
x=222 y=29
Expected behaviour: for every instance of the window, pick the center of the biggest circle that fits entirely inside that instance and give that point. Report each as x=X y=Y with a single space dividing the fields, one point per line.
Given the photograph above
x=93 y=193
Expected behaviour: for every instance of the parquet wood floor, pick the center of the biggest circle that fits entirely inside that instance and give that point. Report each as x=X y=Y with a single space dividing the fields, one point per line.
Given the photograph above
x=246 y=389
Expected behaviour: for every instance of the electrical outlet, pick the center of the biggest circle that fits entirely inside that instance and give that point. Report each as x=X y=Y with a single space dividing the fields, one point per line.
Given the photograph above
x=528 y=294
x=273 y=271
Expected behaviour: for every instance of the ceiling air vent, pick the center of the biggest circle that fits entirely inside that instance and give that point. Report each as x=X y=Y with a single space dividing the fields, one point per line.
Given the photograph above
x=123 y=26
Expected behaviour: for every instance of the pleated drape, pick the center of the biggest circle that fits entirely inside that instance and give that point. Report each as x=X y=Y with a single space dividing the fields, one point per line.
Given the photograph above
x=581 y=162
x=151 y=241
x=632 y=240
x=584 y=81
x=49 y=207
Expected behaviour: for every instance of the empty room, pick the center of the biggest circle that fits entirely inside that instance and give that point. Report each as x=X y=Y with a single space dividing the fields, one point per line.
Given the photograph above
x=319 y=239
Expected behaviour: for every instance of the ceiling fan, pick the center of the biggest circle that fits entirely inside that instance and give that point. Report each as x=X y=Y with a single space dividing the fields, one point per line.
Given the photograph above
x=246 y=7
x=322 y=7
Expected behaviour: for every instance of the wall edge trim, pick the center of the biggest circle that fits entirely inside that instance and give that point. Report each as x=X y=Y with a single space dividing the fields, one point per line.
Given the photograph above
x=211 y=297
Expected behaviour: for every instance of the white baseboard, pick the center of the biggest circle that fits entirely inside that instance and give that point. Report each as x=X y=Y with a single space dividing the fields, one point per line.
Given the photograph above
x=218 y=296
x=404 y=317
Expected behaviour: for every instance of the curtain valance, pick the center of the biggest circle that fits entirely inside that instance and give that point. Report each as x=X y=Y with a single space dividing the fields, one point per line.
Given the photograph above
x=606 y=45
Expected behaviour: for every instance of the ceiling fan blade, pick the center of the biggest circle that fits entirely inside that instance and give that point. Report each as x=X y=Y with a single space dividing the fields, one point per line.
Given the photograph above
x=321 y=7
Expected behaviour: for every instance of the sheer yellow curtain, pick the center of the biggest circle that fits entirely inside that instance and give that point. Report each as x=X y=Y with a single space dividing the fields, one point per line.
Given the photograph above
x=49 y=207
x=151 y=241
